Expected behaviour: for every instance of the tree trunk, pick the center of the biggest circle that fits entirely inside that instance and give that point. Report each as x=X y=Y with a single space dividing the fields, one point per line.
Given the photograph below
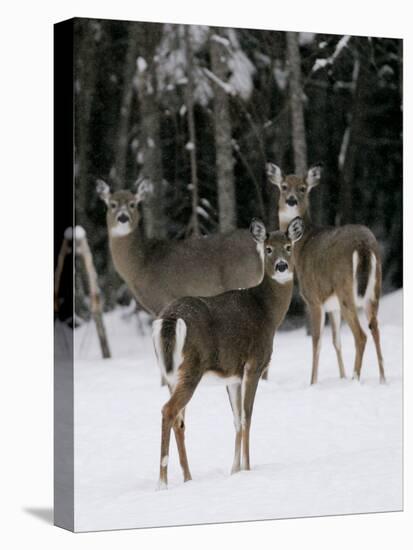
x=85 y=84
x=280 y=147
x=129 y=71
x=318 y=136
x=296 y=104
x=153 y=205
x=354 y=135
x=194 y=224
x=223 y=136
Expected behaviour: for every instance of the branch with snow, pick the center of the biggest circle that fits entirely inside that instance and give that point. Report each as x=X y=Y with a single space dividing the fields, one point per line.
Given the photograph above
x=224 y=85
x=327 y=61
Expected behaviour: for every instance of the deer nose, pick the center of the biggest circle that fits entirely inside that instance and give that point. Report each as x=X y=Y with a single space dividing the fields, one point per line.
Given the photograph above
x=291 y=201
x=281 y=266
x=123 y=218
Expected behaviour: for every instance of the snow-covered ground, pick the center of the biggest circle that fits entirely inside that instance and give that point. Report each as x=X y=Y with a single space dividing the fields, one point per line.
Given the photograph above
x=335 y=448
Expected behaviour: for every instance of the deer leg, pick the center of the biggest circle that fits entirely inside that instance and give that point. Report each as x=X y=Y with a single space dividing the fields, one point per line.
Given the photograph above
x=234 y=394
x=350 y=315
x=335 y=319
x=248 y=388
x=179 y=430
x=181 y=395
x=374 y=329
x=317 y=325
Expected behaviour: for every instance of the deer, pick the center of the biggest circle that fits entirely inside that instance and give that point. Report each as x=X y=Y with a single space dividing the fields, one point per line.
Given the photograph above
x=160 y=271
x=338 y=271
x=225 y=339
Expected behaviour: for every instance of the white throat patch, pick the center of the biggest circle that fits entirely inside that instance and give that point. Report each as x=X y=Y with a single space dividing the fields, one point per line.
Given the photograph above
x=283 y=277
x=121 y=230
x=287 y=214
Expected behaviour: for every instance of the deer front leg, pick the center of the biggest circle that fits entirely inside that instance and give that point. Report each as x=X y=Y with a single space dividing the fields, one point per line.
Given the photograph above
x=234 y=394
x=248 y=388
x=335 y=319
x=317 y=325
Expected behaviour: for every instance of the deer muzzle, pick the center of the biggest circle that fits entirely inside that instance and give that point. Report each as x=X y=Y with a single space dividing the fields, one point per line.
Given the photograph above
x=123 y=218
x=281 y=266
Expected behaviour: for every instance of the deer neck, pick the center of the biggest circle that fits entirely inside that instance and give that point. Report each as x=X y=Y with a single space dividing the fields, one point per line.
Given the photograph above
x=128 y=252
x=286 y=216
x=274 y=299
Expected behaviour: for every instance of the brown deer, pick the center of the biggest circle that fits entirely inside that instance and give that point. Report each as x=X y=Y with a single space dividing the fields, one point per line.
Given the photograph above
x=338 y=270
x=160 y=271
x=226 y=338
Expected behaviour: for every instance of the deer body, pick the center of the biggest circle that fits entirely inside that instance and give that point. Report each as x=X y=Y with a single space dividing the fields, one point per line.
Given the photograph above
x=160 y=271
x=338 y=270
x=227 y=338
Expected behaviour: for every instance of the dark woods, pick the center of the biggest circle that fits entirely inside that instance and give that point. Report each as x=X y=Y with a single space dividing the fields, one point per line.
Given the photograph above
x=200 y=110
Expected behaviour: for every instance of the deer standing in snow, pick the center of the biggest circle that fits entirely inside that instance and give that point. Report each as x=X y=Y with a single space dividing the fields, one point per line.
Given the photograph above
x=226 y=338
x=160 y=271
x=338 y=270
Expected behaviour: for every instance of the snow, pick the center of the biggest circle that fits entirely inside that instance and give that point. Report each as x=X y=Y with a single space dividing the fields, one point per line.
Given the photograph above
x=334 y=448
x=79 y=233
x=141 y=64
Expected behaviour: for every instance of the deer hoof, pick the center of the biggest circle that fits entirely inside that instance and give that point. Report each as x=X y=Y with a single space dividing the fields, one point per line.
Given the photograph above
x=162 y=485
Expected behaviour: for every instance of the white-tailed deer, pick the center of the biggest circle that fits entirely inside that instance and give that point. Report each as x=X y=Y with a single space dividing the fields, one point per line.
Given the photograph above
x=338 y=270
x=226 y=338
x=159 y=271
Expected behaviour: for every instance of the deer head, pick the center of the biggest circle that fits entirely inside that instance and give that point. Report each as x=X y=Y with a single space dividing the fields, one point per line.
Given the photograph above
x=123 y=214
x=278 y=248
x=294 y=191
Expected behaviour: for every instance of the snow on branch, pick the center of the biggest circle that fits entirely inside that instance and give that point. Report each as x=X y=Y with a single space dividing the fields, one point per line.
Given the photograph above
x=224 y=85
x=221 y=40
x=324 y=62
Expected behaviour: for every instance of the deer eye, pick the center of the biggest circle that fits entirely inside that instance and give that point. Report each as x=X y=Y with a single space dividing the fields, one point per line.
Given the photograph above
x=268 y=250
x=284 y=187
x=288 y=248
x=303 y=189
x=132 y=205
x=113 y=205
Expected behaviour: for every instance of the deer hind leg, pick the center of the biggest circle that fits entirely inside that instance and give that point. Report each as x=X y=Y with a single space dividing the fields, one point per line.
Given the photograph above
x=172 y=413
x=317 y=316
x=234 y=394
x=179 y=430
x=350 y=315
x=248 y=388
x=335 y=320
x=371 y=312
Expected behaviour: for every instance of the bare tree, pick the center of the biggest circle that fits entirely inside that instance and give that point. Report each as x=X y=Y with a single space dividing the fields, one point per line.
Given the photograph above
x=193 y=228
x=85 y=84
x=296 y=104
x=122 y=142
x=353 y=135
x=150 y=34
x=219 y=51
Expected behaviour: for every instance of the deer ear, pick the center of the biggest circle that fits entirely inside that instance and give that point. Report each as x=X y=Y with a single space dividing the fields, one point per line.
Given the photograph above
x=258 y=231
x=295 y=229
x=103 y=190
x=313 y=176
x=143 y=188
x=274 y=174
